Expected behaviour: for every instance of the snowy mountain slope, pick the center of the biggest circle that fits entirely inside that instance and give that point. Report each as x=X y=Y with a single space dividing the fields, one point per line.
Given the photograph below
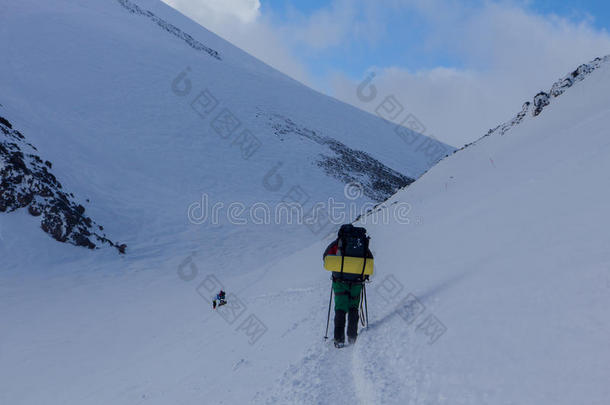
x=510 y=256
x=495 y=292
x=144 y=113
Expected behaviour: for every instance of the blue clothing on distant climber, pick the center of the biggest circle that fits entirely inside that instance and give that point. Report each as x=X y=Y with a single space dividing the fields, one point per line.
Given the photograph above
x=221 y=299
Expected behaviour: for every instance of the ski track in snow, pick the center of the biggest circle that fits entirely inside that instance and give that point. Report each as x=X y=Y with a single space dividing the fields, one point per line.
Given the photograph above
x=322 y=376
x=383 y=367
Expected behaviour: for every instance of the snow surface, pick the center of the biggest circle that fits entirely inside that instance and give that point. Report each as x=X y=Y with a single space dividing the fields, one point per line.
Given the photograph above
x=506 y=250
x=94 y=87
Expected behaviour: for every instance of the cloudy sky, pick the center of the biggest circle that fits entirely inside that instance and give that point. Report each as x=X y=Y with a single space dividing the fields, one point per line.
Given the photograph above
x=461 y=67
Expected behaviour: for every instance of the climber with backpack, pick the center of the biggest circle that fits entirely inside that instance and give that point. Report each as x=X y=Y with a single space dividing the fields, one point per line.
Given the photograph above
x=220 y=297
x=351 y=263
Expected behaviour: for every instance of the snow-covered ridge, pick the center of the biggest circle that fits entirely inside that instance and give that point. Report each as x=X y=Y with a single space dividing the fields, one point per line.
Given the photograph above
x=101 y=92
x=192 y=42
x=378 y=181
x=27 y=183
x=543 y=99
x=507 y=263
x=529 y=109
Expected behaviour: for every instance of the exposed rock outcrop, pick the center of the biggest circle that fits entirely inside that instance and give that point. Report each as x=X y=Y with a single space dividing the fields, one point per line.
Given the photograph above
x=27 y=182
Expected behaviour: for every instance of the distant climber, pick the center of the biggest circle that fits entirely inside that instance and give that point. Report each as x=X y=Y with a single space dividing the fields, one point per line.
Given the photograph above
x=220 y=297
x=350 y=268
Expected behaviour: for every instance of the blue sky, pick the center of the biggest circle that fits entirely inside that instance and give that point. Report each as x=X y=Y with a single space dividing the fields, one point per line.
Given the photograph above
x=399 y=45
x=577 y=9
x=461 y=67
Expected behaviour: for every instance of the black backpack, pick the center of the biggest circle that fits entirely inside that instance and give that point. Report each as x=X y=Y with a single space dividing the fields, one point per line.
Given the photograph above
x=354 y=241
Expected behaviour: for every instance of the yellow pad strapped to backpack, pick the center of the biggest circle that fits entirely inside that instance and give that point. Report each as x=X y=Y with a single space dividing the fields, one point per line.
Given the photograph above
x=351 y=264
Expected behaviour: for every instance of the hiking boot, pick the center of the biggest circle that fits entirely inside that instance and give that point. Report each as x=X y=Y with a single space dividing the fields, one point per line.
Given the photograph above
x=351 y=339
x=339 y=345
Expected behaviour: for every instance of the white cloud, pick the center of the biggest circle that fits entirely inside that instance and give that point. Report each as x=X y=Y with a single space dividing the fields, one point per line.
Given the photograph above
x=244 y=10
x=326 y=27
x=342 y=21
x=283 y=43
x=509 y=52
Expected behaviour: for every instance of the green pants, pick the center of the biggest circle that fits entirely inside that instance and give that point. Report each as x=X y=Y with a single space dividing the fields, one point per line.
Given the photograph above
x=346 y=295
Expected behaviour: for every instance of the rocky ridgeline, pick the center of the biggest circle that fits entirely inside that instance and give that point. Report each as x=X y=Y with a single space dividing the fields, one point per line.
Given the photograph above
x=26 y=182
x=543 y=99
x=347 y=165
x=172 y=29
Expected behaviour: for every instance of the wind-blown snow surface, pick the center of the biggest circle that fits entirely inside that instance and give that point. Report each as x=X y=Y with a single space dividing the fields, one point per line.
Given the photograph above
x=507 y=248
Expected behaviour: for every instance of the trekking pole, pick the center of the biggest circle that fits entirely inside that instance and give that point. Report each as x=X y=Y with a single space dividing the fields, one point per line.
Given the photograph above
x=366 y=306
x=361 y=311
x=328 y=317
